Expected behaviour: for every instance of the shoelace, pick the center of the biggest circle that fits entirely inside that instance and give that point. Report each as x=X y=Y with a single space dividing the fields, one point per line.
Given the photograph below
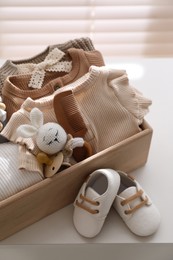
x=92 y=202
x=133 y=197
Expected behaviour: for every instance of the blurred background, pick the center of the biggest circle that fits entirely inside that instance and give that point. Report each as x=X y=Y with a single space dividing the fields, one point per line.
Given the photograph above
x=117 y=27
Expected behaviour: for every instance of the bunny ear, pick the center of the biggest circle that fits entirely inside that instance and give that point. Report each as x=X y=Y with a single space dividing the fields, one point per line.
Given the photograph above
x=36 y=117
x=26 y=131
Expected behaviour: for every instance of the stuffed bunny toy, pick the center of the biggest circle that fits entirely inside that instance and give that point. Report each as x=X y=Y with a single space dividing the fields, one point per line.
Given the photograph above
x=52 y=140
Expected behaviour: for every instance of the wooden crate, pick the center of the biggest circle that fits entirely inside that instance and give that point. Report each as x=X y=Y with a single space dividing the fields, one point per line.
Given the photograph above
x=50 y=195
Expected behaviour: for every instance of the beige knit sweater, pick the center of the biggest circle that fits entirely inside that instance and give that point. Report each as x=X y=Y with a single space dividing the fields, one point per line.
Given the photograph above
x=102 y=106
x=111 y=110
x=16 y=90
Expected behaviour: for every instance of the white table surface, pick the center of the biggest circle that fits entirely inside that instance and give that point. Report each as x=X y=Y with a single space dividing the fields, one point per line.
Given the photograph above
x=154 y=77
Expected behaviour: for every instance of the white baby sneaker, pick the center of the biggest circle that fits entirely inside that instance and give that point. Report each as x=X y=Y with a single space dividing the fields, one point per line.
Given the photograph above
x=135 y=207
x=94 y=200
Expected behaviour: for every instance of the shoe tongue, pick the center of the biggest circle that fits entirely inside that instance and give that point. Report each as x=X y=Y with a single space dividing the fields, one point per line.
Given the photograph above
x=91 y=193
x=128 y=193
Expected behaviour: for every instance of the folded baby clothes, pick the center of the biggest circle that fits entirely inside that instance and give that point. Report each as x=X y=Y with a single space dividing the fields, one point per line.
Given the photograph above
x=45 y=104
x=16 y=90
x=12 y=179
x=101 y=107
x=28 y=65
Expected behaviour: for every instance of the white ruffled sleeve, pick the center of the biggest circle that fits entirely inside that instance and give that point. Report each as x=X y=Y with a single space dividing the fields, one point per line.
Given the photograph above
x=130 y=98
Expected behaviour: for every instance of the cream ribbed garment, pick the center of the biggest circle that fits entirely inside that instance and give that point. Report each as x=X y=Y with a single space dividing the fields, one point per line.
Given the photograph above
x=111 y=109
x=14 y=67
x=13 y=180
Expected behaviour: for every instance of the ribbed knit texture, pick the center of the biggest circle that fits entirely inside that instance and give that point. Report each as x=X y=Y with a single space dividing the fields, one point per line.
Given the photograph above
x=16 y=90
x=10 y=67
x=12 y=179
x=111 y=108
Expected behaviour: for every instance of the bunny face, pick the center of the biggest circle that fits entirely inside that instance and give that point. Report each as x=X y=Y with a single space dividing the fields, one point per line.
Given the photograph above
x=51 y=138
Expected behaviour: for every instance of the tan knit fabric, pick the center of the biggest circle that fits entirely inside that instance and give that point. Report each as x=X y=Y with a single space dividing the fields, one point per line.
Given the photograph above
x=11 y=67
x=112 y=110
x=16 y=90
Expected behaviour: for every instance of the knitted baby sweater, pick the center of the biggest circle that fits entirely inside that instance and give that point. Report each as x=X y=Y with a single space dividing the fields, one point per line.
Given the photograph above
x=102 y=106
x=17 y=67
x=16 y=90
x=110 y=108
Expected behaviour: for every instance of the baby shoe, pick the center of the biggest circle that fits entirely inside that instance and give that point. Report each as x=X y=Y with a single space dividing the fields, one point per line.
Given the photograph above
x=135 y=207
x=94 y=201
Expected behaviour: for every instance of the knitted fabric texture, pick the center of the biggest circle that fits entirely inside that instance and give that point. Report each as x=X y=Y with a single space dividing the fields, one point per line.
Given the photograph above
x=14 y=67
x=16 y=90
x=110 y=114
x=12 y=179
x=111 y=109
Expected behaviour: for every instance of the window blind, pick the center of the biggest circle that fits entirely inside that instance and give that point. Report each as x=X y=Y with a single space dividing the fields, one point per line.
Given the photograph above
x=116 y=27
